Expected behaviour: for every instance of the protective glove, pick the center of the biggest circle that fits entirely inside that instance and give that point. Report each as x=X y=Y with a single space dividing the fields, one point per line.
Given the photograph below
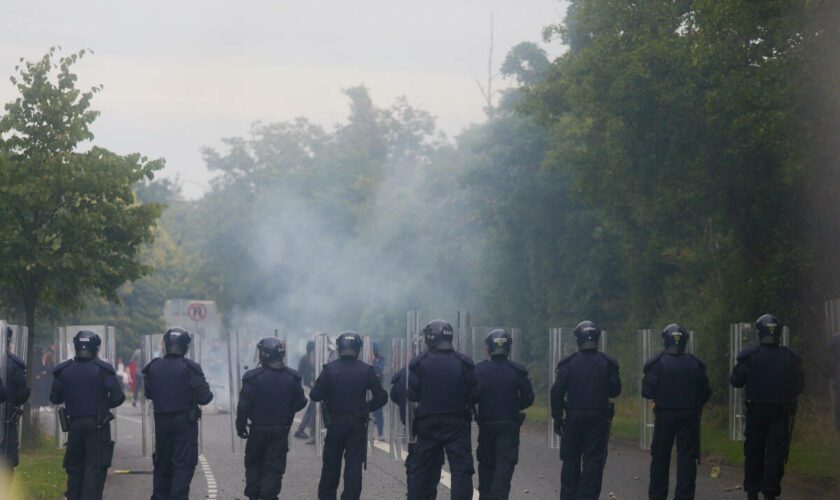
x=560 y=426
x=242 y=431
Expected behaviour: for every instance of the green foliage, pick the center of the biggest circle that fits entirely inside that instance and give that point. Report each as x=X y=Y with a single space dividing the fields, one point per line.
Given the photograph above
x=69 y=222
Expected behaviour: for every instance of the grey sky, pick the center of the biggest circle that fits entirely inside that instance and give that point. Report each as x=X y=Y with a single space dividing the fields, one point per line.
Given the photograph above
x=182 y=74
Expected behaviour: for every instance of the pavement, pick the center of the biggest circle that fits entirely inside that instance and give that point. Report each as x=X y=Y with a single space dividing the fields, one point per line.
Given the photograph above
x=220 y=474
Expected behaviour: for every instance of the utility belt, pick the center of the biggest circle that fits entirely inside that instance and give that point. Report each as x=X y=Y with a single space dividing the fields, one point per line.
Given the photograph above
x=194 y=413
x=64 y=419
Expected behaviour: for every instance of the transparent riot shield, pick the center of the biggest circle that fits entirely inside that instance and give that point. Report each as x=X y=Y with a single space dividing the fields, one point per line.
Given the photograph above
x=3 y=361
x=234 y=387
x=195 y=354
x=19 y=347
x=322 y=356
x=832 y=328
x=367 y=356
x=152 y=348
x=397 y=436
x=561 y=344
x=742 y=336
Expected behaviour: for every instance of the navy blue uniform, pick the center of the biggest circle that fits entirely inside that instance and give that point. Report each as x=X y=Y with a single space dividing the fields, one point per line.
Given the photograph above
x=343 y=386
x=679 y=387
x=773 y=378
x=444 y=385
x=88 y=389
x=176 y=386
x=268 y=400
x=585 y=382
x=18 y=395
x=506 y=391
x=398 y=391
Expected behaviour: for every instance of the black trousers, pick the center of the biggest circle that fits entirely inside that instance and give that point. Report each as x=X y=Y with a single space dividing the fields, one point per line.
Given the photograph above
x=681 y=426
x=431 y=488
x=437 y=434
x=764 y=449
x=176 y=455
x=87 y=458
x=265 y=461
x=9 y=456
x=346 y=437
x=583 y=450
x=498 y=454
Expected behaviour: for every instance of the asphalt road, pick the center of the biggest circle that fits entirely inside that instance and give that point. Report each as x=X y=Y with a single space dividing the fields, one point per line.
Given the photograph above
x=220 y=474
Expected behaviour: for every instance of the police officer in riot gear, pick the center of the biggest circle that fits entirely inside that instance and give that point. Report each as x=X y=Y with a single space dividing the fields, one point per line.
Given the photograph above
x=343 y=385
x=176 y=386
x=678 y=385
x=773 y=377
x=271 y=395
x=580 y=404
x=18 y=395
x=398 y=391
x=505 y=391
x=443 y=382
x=88 y=388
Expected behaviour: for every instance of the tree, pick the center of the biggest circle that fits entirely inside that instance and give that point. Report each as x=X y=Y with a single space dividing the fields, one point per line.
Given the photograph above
x=69 y=222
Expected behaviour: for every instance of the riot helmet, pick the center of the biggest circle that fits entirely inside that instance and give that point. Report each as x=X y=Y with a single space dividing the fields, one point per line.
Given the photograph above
x=769 y=329
x=499 y=343
x=438 y=335
x=349 y=344
x=86 y=344
x=675 y=338
x=176 y=341
x=587 y=335
x=272 y=352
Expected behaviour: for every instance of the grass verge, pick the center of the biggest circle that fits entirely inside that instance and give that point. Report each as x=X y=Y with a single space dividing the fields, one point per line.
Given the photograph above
x=814 y=455
x=40 y=475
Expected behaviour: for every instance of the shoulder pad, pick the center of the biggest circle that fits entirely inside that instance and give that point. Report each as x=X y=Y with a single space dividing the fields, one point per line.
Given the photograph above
x=193 y=365
x=16 y=360
x=397 y=376
x=252 y=373
x=566 y=359
x=104 y=365
x=653 y=360
x=294 y=373
x=695 y=358
x=481 y=363
x=417 y=359
x=746 y=353
x=149 y=365
x=62 y=366
x=465 y=359
x=518 y=367
x=612 y=361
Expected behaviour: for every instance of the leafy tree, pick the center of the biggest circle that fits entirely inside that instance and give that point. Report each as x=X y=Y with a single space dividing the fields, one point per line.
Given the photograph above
x=69 y=222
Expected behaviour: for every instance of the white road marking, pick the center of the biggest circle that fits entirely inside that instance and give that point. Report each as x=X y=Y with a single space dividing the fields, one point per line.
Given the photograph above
x=445 y=476
x=212 y=489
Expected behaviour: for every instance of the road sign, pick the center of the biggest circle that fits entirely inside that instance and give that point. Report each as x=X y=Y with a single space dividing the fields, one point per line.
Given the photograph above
x=197 y=311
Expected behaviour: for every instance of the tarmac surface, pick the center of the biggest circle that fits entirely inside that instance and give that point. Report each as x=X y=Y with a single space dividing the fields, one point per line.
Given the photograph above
x=220 y=474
